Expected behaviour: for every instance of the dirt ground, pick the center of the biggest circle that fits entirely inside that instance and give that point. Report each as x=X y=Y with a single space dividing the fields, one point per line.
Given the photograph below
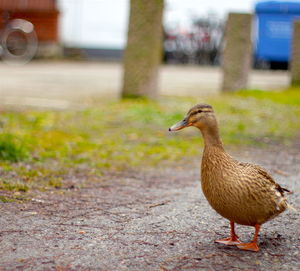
x=150 y=219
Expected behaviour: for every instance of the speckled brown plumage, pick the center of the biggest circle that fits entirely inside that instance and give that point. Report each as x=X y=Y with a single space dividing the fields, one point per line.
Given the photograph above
x=243 y=193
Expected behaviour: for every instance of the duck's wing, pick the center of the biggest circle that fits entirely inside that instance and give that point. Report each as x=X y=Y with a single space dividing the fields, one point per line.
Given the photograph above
x=257 y=172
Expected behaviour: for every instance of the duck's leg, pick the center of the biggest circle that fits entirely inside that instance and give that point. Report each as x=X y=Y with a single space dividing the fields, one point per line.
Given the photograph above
x=233 y=239
x=253 y=244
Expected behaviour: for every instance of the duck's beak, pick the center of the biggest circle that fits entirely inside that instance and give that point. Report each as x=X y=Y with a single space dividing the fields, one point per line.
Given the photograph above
x=179 y=125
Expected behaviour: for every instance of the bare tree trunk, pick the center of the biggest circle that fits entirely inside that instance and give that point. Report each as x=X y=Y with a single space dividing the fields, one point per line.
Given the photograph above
x=143 y=53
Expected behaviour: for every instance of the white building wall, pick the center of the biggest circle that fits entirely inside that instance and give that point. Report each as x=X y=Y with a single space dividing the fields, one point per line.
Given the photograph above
x=94 y=23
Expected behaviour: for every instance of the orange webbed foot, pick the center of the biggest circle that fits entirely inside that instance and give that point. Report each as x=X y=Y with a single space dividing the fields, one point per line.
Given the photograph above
x=248 y=246
x=230 y=241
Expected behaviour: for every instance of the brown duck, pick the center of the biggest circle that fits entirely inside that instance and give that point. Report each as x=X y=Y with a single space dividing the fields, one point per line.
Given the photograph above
x=241 y=192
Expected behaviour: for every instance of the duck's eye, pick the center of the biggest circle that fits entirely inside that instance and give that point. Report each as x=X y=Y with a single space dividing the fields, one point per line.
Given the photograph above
x=196 y=112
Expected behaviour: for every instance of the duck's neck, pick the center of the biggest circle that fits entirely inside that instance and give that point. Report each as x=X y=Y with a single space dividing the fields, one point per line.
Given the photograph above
x=211 y=137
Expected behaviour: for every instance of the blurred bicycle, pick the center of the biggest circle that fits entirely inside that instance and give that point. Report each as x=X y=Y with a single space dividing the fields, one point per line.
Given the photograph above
x=18 y=40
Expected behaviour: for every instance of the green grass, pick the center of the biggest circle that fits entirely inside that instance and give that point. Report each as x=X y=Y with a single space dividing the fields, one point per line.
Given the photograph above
x=38 y=149
x=11 y=149
x=13 y=186
x=6 y=199
x=290 y=96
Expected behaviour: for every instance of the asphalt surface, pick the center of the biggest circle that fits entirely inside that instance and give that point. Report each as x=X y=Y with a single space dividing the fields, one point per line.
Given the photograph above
x=150 y=219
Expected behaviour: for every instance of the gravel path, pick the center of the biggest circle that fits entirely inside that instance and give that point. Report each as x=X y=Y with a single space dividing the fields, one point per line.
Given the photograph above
x=147 y=220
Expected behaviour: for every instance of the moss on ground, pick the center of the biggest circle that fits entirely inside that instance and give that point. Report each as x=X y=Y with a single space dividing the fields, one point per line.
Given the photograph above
x=39 y=148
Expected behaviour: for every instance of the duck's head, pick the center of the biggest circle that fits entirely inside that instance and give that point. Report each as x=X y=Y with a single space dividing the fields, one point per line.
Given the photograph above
x=200 y=116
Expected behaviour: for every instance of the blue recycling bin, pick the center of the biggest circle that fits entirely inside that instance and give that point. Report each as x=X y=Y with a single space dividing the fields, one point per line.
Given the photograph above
x=274 y=29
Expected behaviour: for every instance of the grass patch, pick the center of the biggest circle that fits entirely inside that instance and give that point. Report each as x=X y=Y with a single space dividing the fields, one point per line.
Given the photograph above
x=290 y=96
x=6 y=199
x=132 y=133
x=11 y=149
x=55 y=182
x=13 y=186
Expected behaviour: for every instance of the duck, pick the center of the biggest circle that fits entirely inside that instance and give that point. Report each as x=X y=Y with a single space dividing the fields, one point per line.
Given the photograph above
x=243 y=193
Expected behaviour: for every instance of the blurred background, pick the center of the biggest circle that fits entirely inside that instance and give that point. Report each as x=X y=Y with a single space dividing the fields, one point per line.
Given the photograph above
x=193 y=30
x=95 y=31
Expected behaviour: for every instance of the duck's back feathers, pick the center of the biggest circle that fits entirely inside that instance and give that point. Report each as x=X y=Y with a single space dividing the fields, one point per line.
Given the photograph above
x=259 y=171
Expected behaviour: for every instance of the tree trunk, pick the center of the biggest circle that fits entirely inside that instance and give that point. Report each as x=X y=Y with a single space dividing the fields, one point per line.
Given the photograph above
x=143 y=53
